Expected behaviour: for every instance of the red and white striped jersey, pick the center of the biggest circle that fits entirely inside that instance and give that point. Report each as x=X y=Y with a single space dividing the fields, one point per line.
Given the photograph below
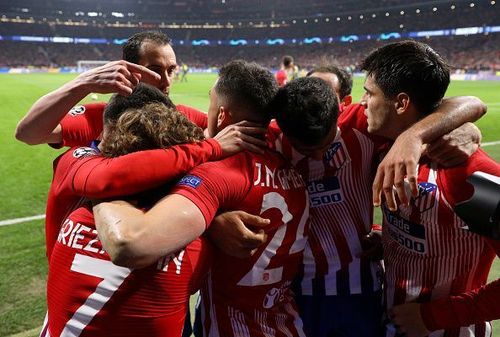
x=341 y=211
x=251 y=297
x=88 y=295
x=428 y=255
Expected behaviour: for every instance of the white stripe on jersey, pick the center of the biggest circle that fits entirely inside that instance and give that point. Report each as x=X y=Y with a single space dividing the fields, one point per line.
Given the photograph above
x=261 y=319
x=238 y=325
x=345 y=221
x=281 y=324
x=443 y=265
x=214 y=325
x=45 y=327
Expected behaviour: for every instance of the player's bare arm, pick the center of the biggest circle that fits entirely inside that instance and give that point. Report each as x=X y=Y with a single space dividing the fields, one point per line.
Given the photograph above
x=455 y=147
x=41 y=123
x=231 y=233
x=401 y=161
x=136 y=239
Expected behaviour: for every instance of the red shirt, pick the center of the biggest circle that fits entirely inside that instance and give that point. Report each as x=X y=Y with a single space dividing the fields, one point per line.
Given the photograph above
x=431 y=259
x=281 y=77
x=88 y=295
x=341 y=207
x=253 y=294
x=79 y=172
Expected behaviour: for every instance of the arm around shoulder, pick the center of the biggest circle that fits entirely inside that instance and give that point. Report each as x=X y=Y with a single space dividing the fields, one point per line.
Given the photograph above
x=136 y=239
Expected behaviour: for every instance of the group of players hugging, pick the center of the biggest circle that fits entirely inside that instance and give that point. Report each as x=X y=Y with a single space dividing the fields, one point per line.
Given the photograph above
x=265 y=203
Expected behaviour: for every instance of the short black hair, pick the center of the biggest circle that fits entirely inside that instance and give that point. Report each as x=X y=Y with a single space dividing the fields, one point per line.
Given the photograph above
x=344 y=77
x=306 y=109
x=248 y=88
x=411 y=67
x=132 y=48
x=287 y=60
x=143 y=94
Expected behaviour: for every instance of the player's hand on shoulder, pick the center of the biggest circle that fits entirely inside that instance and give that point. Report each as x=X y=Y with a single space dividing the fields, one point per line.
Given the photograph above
x=116 y=77
x=399 y=164
x=238 y=233
x=455 y=147
x=242 y=136
x=408 y=320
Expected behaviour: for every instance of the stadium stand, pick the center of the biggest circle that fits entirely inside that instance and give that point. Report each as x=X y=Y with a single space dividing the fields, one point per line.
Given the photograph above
x=104 y=21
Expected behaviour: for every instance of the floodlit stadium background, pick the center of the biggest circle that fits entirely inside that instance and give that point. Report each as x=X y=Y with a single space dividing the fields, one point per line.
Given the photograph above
x=41 y=44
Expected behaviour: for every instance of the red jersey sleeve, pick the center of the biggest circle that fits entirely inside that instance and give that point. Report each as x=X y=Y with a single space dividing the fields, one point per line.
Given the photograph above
x=217 y=185
x=82 y=124
x=196 y=116
x=100 y=177
x=481 y=304
x=478 y=305
x=456 y=188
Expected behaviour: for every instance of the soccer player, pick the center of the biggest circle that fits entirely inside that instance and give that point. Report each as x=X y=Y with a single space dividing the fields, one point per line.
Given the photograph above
x=87 y=295
x=147 y=57
x=340 y=285
x=99 y=177
x=251 y=296
x=338 y=79
x=436 y=270
x=184 y=72
x=288 y=71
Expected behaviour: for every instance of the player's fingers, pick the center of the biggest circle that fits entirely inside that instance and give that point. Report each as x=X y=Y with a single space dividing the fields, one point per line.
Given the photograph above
x=377 y=186
x=399 y=183
x=120 y=78
x=122 y=89
x=249 y=124
x=411 y=176
x=388 y=189
x=253 y=220
x=147 y=74
x=135 y=79
x=251 y=147
x=252 y=130
x=253 y=240
x=253 y=140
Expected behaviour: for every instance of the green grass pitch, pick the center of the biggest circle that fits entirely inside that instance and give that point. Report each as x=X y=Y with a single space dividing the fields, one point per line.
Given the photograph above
x=26 y=174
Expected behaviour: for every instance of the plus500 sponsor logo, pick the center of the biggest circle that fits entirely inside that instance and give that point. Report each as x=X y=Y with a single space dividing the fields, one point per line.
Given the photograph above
x=324 y=192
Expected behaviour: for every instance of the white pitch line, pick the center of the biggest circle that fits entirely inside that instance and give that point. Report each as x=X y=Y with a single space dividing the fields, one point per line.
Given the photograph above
x=491 y=143
x=19 y=220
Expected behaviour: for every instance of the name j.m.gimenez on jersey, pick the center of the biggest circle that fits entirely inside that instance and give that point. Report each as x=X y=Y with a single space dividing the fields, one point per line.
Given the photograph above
x=287 y=178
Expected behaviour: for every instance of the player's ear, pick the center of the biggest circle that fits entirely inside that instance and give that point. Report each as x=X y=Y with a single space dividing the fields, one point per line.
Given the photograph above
x=222 y=117
x=402 y=102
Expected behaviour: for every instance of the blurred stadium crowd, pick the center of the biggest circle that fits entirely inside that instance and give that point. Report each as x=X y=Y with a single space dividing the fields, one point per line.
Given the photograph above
x=182 y=21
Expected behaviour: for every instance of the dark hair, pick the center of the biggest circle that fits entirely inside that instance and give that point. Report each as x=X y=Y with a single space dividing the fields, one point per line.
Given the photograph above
x=344 y=77
x=306 y=109
x=248 y=88
x=142 y=95
x=411 y=67
x=287 y=60
x=152 y=126
x=132 y=48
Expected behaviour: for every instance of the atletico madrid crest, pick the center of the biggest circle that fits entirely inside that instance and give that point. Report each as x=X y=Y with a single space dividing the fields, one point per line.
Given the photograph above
x=336 y=155
x=426 y=196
